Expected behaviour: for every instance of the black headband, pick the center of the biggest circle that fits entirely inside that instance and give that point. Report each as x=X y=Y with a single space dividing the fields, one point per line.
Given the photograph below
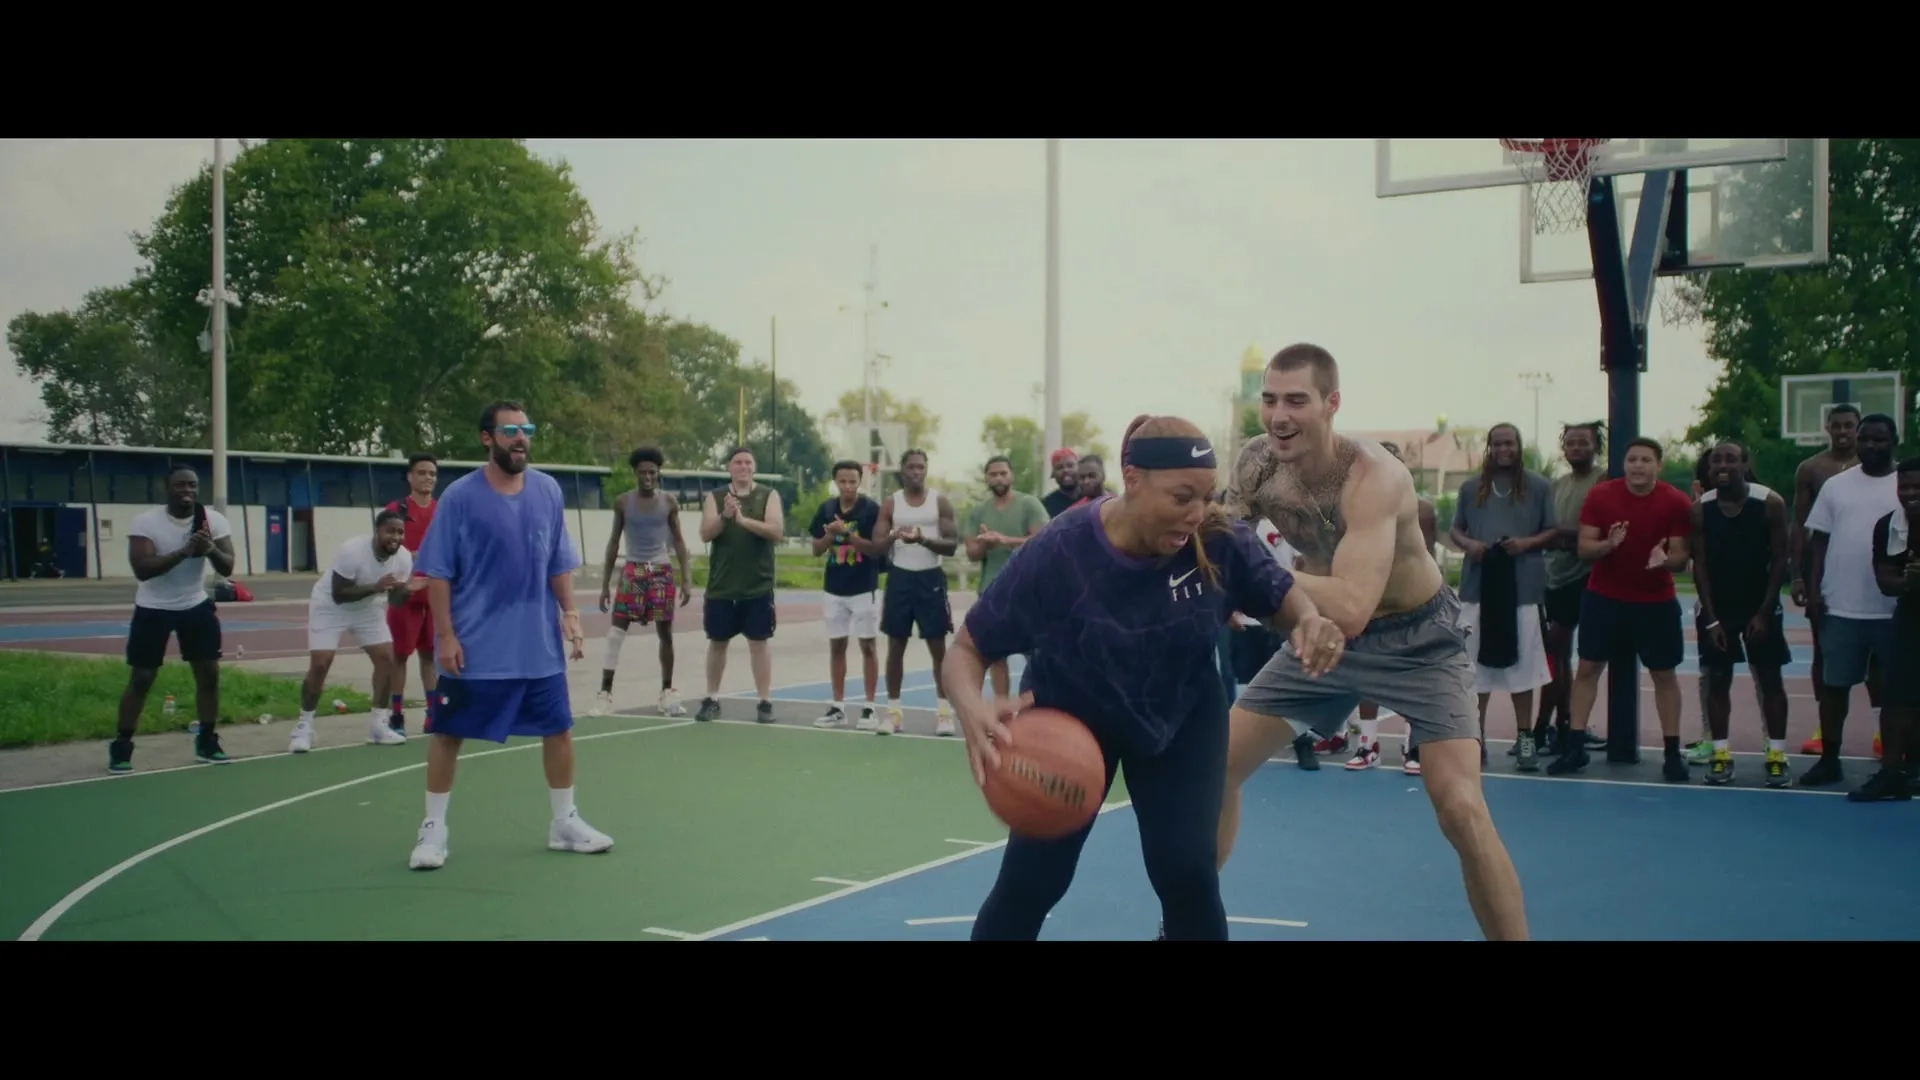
x=1170 y=452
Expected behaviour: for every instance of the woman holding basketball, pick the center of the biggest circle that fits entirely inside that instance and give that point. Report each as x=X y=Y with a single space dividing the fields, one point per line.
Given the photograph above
x=1120 y=603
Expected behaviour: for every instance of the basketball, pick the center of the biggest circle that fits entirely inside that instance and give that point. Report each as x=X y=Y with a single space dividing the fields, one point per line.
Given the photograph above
x=1051 y=780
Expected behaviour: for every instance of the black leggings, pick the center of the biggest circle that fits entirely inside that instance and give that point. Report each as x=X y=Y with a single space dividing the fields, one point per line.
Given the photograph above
x=1176 y=798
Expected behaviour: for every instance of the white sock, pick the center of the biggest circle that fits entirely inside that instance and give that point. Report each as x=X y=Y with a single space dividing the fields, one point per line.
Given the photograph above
x=1777 y=744
x=562 y=799
x=615 y=636
x=306 y=716
x=437 y=807
x=839 y=706
x=1369 y=731
x=1720 y=744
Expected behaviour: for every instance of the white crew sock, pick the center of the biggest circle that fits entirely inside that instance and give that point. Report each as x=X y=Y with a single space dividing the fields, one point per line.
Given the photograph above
x=437 y=807
x=306 y=716
x=562 y=799
x=1777 y=744
x=839 y=706
x=615 y=637
x=1369 y=731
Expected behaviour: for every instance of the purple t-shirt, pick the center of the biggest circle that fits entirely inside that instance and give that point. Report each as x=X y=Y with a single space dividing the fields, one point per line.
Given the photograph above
x=1128 y=645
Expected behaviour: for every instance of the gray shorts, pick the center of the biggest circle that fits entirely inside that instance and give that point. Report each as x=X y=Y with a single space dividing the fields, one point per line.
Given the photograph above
x=1415 y=664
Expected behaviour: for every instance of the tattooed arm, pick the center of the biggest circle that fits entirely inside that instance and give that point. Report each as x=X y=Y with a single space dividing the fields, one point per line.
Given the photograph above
x=1255 y=463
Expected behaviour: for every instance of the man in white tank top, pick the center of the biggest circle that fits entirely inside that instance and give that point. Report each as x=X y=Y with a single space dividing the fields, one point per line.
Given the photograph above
x=923 y=530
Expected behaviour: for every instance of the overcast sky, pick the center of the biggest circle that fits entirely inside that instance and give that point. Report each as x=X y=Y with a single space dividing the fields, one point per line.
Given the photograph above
x=1175 y=256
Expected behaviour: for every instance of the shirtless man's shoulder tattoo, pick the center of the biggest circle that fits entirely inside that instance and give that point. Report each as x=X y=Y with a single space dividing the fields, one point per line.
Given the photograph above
x=1308 y=516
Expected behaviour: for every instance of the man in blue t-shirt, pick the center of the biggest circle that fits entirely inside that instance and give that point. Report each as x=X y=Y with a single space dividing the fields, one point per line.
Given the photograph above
x=499 y=567
x=842 y=530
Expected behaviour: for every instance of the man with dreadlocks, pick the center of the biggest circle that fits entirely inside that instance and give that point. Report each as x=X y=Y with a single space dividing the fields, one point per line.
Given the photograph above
x=1503 y=521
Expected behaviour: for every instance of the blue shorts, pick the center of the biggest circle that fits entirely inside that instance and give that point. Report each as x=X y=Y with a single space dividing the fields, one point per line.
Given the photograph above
x=493 y=709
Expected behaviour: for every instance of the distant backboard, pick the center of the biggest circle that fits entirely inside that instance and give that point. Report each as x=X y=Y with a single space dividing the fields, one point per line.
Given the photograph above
x=1805 y=401
x=1759 y=215
x=1421 y=166
x=879 y=445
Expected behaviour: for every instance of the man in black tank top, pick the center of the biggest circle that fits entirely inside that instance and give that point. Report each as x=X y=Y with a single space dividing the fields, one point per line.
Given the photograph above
x=1740 y=562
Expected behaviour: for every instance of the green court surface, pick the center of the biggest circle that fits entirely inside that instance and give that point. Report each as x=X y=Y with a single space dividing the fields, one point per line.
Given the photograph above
x=714 y=824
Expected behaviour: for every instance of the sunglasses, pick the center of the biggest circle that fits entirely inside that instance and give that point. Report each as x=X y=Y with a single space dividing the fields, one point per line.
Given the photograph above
x=514 y=431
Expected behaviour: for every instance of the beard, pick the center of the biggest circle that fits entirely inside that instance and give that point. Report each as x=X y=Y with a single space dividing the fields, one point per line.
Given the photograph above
x=503 y=457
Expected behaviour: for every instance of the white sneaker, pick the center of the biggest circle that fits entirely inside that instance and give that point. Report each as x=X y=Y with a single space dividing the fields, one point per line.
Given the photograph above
x=943 y=725
x=302 y=740
x=832 y=718
x=572 y=833
x=430 y=850
x=867 y=722
x=602 y=703
x=894 y=723
x=380 y=734
x=670 y=703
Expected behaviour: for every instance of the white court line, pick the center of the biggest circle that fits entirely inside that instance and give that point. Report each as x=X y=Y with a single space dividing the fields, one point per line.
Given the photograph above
x=837 y=881
x=756 y=939
x=1265 y=922
x=677 y=935
x=875 y=883
x=971 y=843
x=938 y=920
x=52 y=915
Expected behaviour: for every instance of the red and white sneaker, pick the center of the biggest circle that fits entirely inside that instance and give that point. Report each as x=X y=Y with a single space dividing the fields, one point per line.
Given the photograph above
x=1366 y=755
x=1332 y=744
x=1411 y=766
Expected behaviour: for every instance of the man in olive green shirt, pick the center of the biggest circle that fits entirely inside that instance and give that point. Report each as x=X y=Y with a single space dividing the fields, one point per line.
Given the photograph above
x=1567 y=574
x=741 y=525
x=995 y=529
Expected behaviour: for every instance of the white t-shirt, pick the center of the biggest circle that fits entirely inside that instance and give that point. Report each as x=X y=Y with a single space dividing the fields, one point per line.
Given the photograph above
x=360 y=565
x=1283 y=553
x=1759 y=491
x=1848 y=506
x=185 y=586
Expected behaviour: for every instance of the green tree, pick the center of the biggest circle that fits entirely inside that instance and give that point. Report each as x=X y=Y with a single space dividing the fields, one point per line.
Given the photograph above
x=1857 y=312
x=923 y=425
x=1019 y=438
x=102 y=379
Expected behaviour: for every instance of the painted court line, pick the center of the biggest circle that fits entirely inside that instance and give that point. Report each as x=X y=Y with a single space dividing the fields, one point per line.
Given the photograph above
x=970 y=843
x=1265 y=922
x=52 y=915
x=888 y=879
x=938 y=920
x=837 y=881
x=677 y=935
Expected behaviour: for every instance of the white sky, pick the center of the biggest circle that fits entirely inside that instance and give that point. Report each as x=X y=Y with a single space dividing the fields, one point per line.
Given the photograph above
x=1175 y=256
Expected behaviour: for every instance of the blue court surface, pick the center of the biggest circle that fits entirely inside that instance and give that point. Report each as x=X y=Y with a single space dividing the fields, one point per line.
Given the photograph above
x=1332 y=855
x=18 y=632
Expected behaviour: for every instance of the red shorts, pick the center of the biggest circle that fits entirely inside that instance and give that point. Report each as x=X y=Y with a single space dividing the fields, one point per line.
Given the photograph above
x=412 y=629
x=646 y=594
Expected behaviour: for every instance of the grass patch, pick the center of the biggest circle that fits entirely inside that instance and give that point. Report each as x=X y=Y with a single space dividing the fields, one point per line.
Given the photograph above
x=47 y=699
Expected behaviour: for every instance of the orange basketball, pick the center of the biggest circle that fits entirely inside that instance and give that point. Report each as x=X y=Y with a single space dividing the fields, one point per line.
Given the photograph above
x=1051 y=780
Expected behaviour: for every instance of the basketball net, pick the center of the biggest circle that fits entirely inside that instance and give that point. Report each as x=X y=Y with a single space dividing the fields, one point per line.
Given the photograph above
x=1680 y=298
x=1558 y=172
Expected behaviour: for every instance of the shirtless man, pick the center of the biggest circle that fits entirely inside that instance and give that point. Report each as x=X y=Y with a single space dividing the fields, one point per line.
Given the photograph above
x=1350 y=510
x=1841 y=454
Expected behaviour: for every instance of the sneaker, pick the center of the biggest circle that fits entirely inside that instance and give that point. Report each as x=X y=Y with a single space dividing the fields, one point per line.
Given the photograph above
x=1366 y=754
x=1721 y=769
x=1527 y=757
x=302 y=740
x=1814 y=747
x=120 y=756
x=1876 y=746
x=1885 y=785
x=1825 y=771
x=1573 y=760
x=1331 y=745
x=670 y=703
x=892 y=723
x=943 y=722
x=397 y=720
x=1778 y=774
x=709 y=710
x=832 y=718
x=572 y=833
x=380 y=734
x=429 y=849
x=1701 y=752
x=1675 y=770
x=206 y=749
x=602 y=703
x=1410 y=762
x=867 y=722
x=763 y=713
x=1303 y=752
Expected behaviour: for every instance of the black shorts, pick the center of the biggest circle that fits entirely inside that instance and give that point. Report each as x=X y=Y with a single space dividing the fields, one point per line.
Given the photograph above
x=1611 y=628
x=197 y=627
x=751 y=618
x=1901 y=689
x=916 y=598
x=1770 y=649
x=1563 y=603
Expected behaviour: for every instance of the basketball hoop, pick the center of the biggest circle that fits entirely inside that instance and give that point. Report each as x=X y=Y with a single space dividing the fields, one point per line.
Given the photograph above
x=1558 y=171
x=1681 y=298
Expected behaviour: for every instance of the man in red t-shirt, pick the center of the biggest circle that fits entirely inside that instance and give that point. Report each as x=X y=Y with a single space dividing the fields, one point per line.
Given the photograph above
x=1634 y=530
x=412 y=622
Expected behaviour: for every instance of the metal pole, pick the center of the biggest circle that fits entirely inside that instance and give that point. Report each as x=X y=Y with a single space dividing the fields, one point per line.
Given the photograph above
x=219 y=327
x=773 y=392
x=1536 y=381
x=1053 y=433
x=867 y=362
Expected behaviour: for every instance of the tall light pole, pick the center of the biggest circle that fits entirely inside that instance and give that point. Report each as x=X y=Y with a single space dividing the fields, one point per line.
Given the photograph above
x=219 y=327
x=1537 y=381
x=1053 y=433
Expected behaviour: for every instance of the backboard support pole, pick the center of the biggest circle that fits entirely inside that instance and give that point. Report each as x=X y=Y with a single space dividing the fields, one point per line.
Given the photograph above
x=1623 y=284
